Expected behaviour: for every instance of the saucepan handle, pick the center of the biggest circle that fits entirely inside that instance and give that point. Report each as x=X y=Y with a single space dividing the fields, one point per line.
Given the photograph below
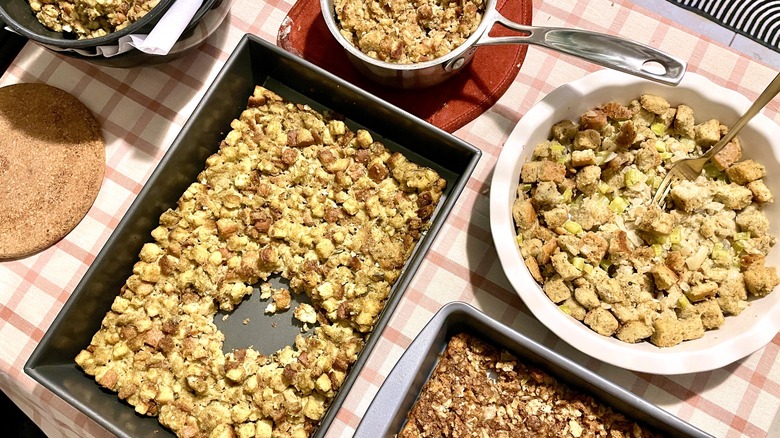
x=606 y=50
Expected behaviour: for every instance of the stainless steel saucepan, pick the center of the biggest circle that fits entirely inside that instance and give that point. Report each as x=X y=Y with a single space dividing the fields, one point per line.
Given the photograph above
x=602 y=49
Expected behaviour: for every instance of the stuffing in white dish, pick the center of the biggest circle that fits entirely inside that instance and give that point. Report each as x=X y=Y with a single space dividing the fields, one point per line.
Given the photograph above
x=609 y=257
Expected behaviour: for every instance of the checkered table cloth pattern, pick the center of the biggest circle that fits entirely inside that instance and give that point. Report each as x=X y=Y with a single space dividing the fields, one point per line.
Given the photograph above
x=141 y=111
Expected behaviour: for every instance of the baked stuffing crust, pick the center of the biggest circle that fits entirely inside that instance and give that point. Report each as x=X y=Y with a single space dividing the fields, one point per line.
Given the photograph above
x=477 y=390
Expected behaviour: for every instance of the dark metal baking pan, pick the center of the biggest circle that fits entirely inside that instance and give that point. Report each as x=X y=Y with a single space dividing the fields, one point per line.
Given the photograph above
x=387 y=413
x=254 y=62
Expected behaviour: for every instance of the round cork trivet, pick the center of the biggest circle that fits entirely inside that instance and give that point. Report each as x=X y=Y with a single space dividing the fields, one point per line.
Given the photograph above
x=52 y=162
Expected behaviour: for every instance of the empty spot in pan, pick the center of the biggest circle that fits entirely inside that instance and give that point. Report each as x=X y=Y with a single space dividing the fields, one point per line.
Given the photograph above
x=248 y=325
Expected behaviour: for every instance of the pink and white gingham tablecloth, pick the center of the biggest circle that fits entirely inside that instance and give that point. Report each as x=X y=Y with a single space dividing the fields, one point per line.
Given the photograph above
x=142 y=110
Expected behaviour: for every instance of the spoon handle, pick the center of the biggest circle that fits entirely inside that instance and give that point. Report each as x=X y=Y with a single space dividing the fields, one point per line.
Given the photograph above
x=763 y=99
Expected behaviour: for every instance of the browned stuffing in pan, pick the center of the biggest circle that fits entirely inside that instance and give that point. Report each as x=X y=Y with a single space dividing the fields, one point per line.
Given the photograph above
x=482 y=391
x=90 y=18
x=292 y=193
x=406 y=32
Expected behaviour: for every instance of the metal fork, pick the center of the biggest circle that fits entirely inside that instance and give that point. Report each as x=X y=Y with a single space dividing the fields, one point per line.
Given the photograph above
x=690 y=168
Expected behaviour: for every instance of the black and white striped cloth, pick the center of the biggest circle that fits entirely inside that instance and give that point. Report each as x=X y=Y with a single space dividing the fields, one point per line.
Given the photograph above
x=755 y=19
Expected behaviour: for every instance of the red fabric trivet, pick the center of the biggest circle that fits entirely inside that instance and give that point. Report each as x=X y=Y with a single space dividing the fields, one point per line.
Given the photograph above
x=449 y=105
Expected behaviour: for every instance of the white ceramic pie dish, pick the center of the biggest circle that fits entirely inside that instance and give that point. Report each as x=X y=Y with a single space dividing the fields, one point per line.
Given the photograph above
x=740 y=335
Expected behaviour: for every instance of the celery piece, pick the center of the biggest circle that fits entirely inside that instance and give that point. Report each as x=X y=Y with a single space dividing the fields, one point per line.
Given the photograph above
x=744 y=235
x=661 y=239
x=723 y=257
x=601 y=156
x=567 y=196
x=604 y=188
x=618 y=205
x=657 y=249
x=660 y=146
x=557 y=147
x=676 y=236
x=683 y=302
x=565 y=309
x=711 y=171
x=634 y=176
x=587 y=268
x=572 y=227
x=578 y=263
x=720 y=255
x=688 y=143
x=658 y=128
x=666 y=155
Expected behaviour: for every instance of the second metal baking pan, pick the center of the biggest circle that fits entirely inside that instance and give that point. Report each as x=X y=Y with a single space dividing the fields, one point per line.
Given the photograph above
x=254 y=62
x=387 y=413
